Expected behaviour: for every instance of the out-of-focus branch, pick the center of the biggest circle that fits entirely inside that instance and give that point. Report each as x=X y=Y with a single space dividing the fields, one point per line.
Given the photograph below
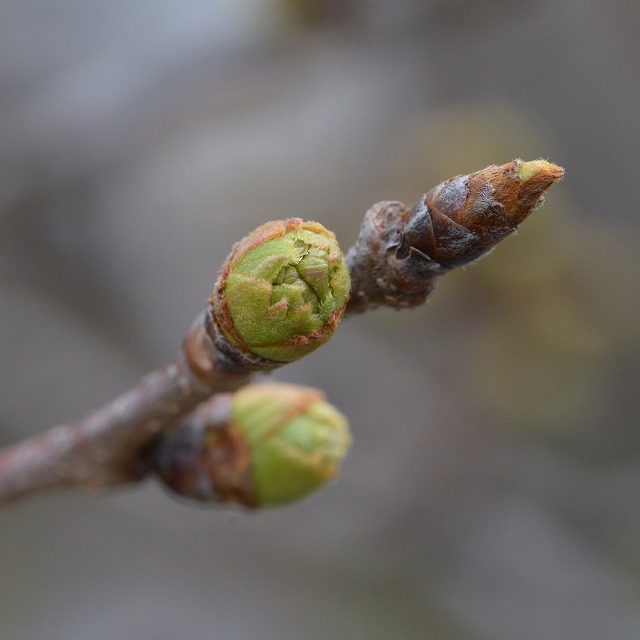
x=264 y=445
x=101 y=449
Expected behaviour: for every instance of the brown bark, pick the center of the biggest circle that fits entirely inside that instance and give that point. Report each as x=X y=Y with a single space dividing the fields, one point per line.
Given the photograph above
x=103 y=448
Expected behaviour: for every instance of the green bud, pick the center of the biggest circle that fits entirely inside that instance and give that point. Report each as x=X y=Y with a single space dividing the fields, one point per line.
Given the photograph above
x=282 y=291
x=295 y=440
x=266 y=444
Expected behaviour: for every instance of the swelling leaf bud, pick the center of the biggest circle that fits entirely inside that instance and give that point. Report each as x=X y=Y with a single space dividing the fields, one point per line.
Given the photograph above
x=266 y=444
x=296 y=439
x=282 y=291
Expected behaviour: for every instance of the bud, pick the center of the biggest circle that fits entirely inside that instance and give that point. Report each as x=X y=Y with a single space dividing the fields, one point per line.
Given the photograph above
x=464 y=217
x=282 y=291
x=400 y=253
x=266 y=444
x=296 y=439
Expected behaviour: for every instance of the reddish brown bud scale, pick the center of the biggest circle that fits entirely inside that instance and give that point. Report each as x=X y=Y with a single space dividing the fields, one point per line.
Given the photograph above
x=399 y=253
x=205 y=458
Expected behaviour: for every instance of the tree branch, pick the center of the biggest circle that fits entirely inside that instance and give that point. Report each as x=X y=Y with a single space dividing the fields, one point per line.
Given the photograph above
x=395 y=262
x=101 y=450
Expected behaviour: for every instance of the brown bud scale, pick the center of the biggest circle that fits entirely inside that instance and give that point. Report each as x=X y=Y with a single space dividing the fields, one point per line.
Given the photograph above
x=400 y=252
x=204 y=457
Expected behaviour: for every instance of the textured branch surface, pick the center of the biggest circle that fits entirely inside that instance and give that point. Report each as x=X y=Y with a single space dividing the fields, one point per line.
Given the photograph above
x=102 y=449
x=395 y=262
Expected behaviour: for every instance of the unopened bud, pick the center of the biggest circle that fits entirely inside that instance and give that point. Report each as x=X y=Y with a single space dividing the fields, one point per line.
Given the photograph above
x=282 y=291
x=468 y=215
x=267 y=444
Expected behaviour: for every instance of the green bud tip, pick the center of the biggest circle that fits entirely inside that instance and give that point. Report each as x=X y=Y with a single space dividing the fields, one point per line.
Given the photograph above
x=295 y=439
x=282 y=291
x=520 y=185
x=537 y=168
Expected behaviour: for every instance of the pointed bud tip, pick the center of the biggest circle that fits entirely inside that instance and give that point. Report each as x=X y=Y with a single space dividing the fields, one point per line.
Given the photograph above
x=534 y=178
x=540 y=170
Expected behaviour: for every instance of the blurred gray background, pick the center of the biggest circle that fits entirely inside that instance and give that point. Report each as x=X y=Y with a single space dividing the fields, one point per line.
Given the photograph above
x=493 y=490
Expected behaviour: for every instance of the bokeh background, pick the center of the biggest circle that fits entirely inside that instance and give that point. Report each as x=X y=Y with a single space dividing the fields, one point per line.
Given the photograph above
x=493 y=490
